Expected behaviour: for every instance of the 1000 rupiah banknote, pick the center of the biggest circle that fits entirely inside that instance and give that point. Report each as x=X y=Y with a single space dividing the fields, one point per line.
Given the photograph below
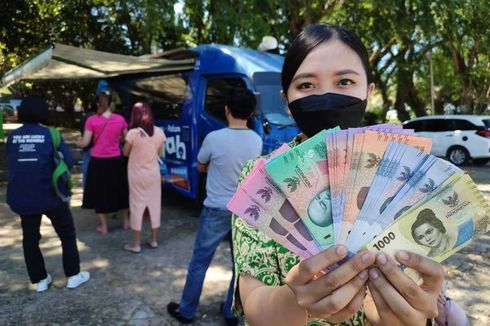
x=441 y=225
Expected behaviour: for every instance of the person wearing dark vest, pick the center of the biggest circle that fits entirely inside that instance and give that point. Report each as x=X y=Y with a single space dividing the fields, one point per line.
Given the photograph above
x=31 y=194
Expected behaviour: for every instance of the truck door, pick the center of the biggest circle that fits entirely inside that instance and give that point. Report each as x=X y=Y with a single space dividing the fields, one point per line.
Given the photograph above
x=171 y=100
x=212 y=116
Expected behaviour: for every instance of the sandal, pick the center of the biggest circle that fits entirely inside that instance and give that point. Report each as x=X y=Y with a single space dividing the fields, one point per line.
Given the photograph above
x=152 y=244
x=134 y=250
x=100 y=230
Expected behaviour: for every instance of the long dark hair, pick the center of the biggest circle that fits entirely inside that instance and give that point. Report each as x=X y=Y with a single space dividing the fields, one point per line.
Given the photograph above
x=33 y=109
x=141 y=116
x=311 y=37
x=427 y=216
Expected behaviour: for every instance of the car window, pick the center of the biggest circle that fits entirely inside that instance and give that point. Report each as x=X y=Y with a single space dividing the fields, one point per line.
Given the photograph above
x=486 y=122
x=460 y=124
x=216 y=92
x=415 y=125
x=438 y=125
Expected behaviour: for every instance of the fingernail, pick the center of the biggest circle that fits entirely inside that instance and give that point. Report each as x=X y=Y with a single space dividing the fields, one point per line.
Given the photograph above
x=381 y=259
x=403 y=255
x=318 y=275
x=341 y=250
x=363 y=275
x=373 y=274
x=365 y=258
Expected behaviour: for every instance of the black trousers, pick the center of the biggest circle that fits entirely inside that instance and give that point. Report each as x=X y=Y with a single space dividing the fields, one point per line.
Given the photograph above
x=62 y=221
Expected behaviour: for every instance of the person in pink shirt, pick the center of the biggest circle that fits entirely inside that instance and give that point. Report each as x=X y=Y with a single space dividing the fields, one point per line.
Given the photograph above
x=106 y=190
x=144 y=146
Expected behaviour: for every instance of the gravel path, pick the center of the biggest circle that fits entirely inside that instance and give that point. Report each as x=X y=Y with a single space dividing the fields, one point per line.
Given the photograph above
x=129 y=289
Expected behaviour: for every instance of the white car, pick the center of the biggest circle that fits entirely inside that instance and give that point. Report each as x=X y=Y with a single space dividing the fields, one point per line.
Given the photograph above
x=459 y=138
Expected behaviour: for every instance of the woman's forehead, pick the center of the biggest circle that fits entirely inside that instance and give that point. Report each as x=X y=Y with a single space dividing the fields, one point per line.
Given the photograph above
x=424 y=226
x=331 y=57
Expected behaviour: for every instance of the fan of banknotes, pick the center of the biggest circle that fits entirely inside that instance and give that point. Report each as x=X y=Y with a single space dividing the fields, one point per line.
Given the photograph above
x=375 y=187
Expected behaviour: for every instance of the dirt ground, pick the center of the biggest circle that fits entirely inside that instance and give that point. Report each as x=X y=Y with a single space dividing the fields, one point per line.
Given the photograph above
x=130 y=289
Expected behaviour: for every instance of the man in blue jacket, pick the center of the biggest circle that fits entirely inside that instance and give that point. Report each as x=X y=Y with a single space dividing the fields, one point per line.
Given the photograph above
x=30 y=193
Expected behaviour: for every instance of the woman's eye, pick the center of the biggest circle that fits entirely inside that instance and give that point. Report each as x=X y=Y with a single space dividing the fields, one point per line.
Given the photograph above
x=305 y=86
x=345 y=82
x=429 y=231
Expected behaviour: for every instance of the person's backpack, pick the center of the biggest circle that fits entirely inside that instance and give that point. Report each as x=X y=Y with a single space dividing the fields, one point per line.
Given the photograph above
x=61 y=169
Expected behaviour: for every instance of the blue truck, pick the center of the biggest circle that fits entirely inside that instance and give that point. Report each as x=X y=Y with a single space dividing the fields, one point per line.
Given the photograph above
x=189 y=104
x=186 y=89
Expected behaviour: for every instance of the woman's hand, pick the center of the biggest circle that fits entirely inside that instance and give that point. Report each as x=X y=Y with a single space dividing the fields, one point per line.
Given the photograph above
x=336 y=295
x=80 y=142
x=84 y=141
x=397 y=298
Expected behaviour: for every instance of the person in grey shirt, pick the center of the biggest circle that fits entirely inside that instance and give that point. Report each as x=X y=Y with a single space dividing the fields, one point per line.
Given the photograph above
x=222 y=155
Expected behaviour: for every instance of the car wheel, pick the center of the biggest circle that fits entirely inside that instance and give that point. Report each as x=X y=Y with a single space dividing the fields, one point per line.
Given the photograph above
x=458 y=155
x=480 y=161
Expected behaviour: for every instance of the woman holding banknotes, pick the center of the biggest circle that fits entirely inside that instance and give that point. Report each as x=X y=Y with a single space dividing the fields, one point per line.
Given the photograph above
x=326 y=82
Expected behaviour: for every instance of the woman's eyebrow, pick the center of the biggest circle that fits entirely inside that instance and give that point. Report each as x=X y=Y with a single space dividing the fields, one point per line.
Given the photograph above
x=303 y=75
x=346 y=72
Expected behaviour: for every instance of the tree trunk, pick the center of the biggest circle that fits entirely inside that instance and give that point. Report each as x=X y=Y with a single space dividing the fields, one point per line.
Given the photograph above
x=383 y=89
x=407 y=94
x=401 y=98
x=295 y=21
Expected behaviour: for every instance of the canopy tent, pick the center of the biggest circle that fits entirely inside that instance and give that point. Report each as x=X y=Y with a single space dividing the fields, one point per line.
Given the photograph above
x=60 y=62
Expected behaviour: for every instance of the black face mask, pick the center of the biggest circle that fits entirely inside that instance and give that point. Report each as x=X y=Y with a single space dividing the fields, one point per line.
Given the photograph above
x=317 y=112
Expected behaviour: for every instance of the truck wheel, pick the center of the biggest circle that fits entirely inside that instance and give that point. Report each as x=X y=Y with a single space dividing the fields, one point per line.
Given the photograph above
x=458 y=155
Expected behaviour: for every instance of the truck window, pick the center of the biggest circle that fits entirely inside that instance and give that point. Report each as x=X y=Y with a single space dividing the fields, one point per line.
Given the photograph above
x=270 y=102
x=216 y=92
x=165 y=95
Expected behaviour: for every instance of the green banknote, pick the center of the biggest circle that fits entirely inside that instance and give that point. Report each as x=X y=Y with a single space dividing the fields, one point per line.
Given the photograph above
x=302 y=175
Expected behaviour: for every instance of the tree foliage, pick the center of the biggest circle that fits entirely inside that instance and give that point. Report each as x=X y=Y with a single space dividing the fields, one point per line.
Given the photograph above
x=400 y=35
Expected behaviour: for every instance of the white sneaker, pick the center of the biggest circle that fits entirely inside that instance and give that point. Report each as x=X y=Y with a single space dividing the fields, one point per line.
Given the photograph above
x=43 y=285
x=77 y=280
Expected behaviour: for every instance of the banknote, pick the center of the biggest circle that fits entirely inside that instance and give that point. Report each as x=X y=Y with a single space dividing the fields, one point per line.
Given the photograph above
x=281 y=149
x=397 y=166
x=340 y=155
x=442 y=225
x=302 y=175
x=263 y=190
x=422 y=185
x=336 y=143
x=252 y=212
x=365 y=163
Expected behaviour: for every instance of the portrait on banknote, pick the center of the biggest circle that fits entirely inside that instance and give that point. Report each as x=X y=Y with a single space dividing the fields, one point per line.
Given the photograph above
x=429 y=231
x=320 y=209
